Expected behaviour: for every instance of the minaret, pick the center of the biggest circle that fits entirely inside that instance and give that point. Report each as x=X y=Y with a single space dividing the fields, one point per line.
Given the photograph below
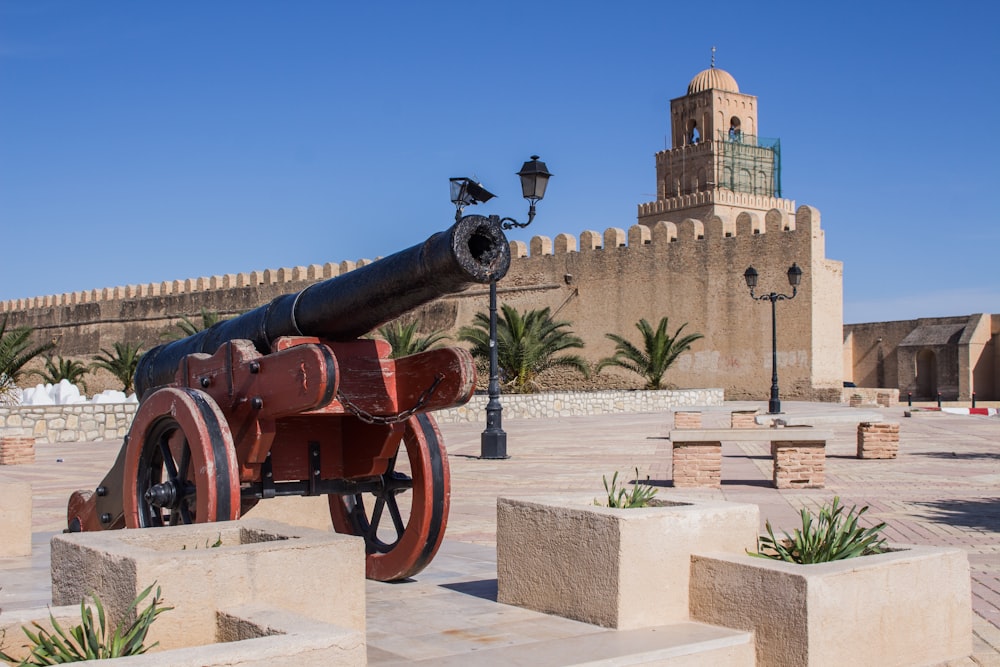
x=717 y=165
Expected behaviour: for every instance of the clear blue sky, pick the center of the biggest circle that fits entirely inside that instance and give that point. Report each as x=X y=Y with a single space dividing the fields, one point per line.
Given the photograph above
x=151 y=141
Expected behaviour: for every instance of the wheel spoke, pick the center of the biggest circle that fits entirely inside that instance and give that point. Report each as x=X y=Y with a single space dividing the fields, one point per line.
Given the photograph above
x=376 y=519
x=182 y=469
x=397 y=519
x=168 y=456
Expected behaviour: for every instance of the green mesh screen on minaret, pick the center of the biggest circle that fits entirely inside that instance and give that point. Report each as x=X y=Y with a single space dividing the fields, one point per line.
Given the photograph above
x=750 y=164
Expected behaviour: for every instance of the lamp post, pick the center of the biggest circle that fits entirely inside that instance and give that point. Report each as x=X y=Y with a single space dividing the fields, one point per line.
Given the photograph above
x=465 y=192
x=794 y=278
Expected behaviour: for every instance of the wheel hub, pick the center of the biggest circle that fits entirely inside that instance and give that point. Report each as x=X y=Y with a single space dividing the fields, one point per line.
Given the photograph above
x=162 y=495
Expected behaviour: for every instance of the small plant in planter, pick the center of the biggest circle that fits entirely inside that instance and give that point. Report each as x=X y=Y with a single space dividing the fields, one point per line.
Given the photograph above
x=833 y=535
x=622 y=498
x=93 y=639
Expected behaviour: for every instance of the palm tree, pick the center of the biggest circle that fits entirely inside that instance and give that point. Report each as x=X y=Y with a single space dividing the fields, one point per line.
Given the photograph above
x=122 y=363
x=405 y=341
x=188 y=327
x=57 y=369
x=16 y=350
x=527 y=345
x=659 y=352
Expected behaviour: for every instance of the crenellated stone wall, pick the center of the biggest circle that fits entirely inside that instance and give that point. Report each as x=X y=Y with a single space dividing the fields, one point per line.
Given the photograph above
x=601 y=282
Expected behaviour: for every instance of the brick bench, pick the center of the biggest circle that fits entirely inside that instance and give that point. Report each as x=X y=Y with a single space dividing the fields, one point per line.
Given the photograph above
x=799 y=455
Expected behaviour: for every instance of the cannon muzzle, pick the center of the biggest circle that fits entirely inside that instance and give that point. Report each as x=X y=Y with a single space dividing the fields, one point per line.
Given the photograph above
x=473 y=250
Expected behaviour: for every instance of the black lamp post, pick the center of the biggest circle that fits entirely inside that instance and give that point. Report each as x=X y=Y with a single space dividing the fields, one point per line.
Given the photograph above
x=466 y=192
x=794 y=278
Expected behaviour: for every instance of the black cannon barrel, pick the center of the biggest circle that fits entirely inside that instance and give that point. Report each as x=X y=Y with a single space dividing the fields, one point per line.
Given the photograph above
x=473 y=250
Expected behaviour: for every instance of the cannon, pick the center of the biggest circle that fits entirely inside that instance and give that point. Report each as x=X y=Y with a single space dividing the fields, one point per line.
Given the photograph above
x=288 y=399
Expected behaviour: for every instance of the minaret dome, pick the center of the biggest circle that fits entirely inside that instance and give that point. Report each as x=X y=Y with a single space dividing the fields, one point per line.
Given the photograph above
x=719 y=79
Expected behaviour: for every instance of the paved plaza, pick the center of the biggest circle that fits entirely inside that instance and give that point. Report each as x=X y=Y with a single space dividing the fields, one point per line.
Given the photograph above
x=943 y=489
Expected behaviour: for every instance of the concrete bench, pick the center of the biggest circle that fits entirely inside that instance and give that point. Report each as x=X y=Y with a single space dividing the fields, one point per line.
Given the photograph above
x=799 y=455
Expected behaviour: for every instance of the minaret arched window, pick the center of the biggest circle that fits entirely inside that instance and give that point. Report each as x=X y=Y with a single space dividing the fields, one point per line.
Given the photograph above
x=735 y=130
x=693 y=134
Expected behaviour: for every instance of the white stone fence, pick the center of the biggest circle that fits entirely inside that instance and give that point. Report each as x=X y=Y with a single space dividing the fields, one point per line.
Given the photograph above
x=577 y=403
x=111 y=421
x=80 y=422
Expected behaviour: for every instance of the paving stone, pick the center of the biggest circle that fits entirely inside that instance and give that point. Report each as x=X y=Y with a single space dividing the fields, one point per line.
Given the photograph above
x=941 y=489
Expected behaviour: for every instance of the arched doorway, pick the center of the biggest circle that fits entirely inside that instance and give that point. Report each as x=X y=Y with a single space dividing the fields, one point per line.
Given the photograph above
x=926 y=374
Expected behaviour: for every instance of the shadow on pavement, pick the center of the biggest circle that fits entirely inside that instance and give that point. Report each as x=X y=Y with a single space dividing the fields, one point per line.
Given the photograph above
x=983 y=514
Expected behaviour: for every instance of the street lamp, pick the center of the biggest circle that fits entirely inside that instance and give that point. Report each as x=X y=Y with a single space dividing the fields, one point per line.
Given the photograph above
x=794 y=278
x=466 y=192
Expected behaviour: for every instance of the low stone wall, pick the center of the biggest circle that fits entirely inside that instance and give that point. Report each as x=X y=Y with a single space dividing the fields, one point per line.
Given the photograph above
x=577 y=403
x=111 y=421
x=68 y=423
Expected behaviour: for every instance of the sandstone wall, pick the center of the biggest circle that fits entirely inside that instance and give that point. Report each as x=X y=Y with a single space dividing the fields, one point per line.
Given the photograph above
x=691 y=271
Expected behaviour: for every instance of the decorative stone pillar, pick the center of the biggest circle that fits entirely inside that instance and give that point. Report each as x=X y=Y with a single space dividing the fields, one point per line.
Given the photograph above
x=878 y=440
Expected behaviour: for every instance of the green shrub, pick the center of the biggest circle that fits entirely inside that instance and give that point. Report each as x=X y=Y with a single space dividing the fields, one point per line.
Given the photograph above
x=623 y=498
x=833 y=535
x=93 y=639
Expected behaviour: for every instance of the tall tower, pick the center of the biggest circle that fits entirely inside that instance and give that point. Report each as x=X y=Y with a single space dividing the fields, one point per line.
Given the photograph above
x=717 y=165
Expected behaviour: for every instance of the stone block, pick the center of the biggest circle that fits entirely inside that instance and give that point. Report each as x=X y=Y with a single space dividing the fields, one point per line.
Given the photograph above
x=878 y=440
x=260 y=562
x=15 y=518
x=305 y=511
x=743 y=419
x=17 y=450
x=907 y=607
x=696 y=464
x=687 y=419
x=618 y=568
x=798 y=465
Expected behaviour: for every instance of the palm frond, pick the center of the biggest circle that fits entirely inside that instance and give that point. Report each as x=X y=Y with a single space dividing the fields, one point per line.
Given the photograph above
x=659 y=351
x=121 y=363
x=528 y=344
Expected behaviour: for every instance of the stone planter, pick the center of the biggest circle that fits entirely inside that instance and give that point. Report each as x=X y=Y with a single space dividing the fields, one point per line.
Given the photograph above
x=260 y=564
x=907 y=607
x=618 y=568
x=244 y=637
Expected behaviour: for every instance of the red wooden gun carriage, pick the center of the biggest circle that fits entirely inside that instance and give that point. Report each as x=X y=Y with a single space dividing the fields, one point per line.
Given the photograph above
x=288 y=400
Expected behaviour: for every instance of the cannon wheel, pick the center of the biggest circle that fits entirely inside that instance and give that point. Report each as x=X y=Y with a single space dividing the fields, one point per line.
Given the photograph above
x=180 y=463
x=399 y=546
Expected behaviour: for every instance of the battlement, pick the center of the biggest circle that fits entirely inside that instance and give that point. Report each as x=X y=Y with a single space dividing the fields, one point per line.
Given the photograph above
x=721 y=197
x=713 y=230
